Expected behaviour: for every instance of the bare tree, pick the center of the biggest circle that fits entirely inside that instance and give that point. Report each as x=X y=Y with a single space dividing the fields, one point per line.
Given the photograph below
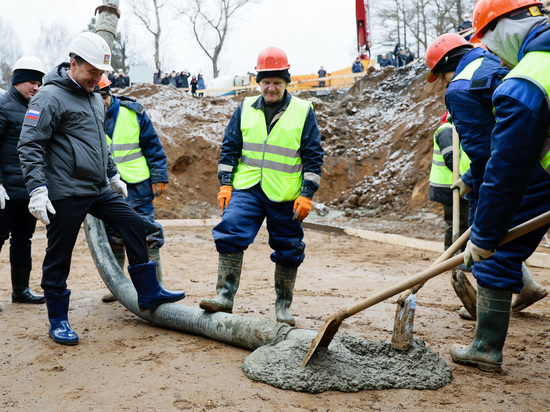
x=10 y=51
x=211 y=22
x=149 y=12
x=51 y=46
x=418 y=22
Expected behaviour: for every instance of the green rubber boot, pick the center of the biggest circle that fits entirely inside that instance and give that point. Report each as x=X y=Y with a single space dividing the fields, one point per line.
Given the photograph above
x=229 y=275
x=530 y=293
x=120 y=256
x=154 y=254
x=285 y=277
x=493 y=317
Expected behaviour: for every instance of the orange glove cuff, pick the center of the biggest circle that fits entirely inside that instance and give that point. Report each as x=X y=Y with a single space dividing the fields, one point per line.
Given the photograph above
x=158 y=188
x=302 y=207
x=224 y=196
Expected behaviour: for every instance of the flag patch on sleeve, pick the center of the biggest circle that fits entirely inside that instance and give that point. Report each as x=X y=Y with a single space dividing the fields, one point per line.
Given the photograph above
x=32 y=116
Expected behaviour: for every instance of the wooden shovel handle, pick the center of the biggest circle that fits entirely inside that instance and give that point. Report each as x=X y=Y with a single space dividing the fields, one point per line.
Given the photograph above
x=435 y=270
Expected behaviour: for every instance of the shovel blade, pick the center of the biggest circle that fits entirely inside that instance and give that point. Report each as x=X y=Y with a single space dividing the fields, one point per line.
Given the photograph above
x=324 y=337
x=403 y=325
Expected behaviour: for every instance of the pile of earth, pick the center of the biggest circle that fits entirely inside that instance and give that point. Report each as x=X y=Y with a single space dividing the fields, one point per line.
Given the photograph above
x=377 y=136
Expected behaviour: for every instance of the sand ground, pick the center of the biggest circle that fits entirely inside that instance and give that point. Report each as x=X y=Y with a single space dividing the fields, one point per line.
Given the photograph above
x=124 y=363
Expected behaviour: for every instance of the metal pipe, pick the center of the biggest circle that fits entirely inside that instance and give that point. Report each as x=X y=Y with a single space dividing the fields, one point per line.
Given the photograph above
x=107 y=21
x=236 y=330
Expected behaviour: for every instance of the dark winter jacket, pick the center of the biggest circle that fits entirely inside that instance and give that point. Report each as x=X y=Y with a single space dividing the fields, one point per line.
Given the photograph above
x=149 y=141
x=385 y=62
x=311 y=151
x=357 y=67
x=13 y=106
x=184 y=81
x=63 y=143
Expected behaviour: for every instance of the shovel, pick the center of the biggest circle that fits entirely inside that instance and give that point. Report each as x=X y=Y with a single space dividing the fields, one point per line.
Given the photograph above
x=329 y=329
x=406 y=303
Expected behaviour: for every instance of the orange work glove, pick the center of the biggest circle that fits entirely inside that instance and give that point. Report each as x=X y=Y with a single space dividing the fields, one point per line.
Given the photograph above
x=302 y=206
x=224 y=196
x=158 y=188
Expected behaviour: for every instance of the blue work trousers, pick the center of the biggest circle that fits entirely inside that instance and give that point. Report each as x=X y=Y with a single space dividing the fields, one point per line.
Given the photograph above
x=242 y=220
x=503 y=269
x=17 y=221
x=65 y=225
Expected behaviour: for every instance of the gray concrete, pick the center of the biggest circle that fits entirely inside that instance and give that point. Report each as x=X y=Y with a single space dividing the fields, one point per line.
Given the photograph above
x=350 y=364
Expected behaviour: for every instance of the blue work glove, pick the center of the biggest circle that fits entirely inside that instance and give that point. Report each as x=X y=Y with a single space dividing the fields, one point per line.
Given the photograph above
x=3 y=196
x=118 y=185
x=40 y=205
x=474 y=253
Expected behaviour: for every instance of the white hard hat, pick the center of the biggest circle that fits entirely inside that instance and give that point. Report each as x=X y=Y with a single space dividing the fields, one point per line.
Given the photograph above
x=92 y=48
x=29 y=63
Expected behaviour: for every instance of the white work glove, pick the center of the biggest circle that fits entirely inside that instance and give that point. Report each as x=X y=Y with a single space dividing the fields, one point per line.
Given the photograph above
x=474 y=253
x=3 y=196
x=118 y=185
x=462 y=187
x=40 y=204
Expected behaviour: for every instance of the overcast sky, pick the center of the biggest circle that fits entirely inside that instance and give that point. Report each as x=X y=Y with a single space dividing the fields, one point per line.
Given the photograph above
x=312 y=33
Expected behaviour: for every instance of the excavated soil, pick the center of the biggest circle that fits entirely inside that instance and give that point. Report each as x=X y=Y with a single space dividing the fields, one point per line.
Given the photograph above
x=378 y=138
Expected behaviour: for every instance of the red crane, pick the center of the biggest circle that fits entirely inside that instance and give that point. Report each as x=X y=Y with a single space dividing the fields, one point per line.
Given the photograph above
x=363 y=28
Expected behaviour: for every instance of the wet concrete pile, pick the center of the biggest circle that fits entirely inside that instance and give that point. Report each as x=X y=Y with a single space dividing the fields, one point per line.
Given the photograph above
x=350 y=364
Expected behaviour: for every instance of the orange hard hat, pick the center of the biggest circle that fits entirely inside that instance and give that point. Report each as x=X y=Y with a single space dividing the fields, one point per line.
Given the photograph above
x=104 y=82
x=487 y=11
x=272 y=59
x=439 y=48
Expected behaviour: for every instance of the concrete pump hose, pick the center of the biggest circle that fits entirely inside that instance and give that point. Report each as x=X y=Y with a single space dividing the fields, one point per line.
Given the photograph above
x=236 y=330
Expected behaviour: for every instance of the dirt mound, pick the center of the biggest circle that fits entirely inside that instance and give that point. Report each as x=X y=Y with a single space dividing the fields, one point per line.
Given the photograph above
x=377 y=136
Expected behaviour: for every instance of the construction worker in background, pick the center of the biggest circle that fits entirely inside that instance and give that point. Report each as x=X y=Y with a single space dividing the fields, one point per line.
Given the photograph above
x=15 y=218
x=269 y=168
x=357 y=67
x=69 y=173
x=141 y=162
x=441 y=178
x=513 y=188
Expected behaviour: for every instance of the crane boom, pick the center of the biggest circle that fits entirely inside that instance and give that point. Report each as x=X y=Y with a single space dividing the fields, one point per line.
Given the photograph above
x=363 y=28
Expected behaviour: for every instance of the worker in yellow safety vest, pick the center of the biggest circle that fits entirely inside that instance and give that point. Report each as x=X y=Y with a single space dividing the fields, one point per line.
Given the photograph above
x=141 y=162
x=270 y=168
x=441 y=178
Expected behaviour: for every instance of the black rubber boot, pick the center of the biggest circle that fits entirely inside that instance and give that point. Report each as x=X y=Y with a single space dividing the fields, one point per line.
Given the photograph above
x=229 y=275
x=20 y=275
x=493 y=317
x=285 y=277
x=58 y=310
x=150 y=293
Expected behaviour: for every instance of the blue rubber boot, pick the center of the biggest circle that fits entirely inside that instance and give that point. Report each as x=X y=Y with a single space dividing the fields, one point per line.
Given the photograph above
x=150 y=293
x=58 y=309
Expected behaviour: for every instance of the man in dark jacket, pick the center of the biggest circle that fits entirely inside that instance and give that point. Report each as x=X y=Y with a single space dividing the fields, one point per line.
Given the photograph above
x=69 y=173
x=15 y=218
x=141 y=162
x=384 y=61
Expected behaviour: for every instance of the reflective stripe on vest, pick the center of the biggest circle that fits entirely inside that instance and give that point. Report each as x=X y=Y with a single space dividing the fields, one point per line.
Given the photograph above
x=126 y=152
x=468 y=72
x=440 y=174
x=534 y=67
x=273 y=160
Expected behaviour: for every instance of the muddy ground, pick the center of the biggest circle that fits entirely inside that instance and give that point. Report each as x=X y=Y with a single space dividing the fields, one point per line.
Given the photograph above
x=125 y=363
